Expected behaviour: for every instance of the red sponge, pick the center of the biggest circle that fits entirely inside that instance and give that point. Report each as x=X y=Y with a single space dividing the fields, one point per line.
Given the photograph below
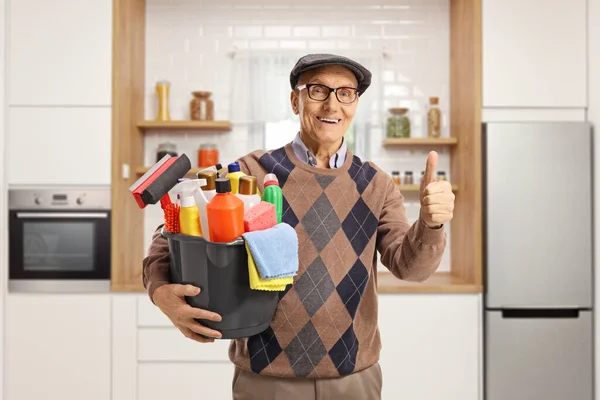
x=260 y=217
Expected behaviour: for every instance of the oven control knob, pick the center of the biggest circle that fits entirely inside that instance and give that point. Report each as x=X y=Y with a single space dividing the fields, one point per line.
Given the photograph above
x=79 y=200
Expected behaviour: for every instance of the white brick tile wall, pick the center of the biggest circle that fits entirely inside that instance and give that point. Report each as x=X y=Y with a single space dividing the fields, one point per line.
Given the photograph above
x=188 y=42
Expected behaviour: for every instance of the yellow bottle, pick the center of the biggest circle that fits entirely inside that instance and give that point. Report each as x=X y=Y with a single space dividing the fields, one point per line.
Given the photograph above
x=189 y=216
x=234 y=175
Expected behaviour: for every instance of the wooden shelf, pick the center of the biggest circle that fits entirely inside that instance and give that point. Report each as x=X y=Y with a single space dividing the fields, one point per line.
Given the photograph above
x=185 y=125
x=142 y=170
x=440 y=282
x=416 y=188
x=419 y=142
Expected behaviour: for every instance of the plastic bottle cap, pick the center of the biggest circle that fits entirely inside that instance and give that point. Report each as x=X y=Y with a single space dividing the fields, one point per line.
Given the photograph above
x=247 y=185
x=233 y=167
x=218 y=166
x=223 y=185
x=210 y=176
x=270 y=179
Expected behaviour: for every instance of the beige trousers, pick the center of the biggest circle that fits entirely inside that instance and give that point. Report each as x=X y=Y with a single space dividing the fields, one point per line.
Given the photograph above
x=362 y=385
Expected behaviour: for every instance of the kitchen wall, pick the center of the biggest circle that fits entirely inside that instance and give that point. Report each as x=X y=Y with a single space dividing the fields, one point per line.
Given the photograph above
x=190 y=43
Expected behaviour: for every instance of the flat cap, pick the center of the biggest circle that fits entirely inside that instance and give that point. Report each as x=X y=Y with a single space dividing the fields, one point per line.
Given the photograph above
x=312 y=61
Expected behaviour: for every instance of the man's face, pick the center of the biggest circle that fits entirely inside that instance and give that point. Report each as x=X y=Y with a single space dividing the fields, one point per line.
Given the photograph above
x=325 y=122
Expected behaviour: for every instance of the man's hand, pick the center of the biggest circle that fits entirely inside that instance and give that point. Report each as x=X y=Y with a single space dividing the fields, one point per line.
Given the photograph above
x=171 y=301
x=437 y=199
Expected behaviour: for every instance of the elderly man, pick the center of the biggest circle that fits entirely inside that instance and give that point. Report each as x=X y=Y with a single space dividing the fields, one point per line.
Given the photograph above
x=323 y=342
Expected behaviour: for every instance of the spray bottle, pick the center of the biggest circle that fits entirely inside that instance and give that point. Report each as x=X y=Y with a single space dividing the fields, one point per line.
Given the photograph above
x=272 y=193
x=204 y=196
x=189 y=217
x=233 y=175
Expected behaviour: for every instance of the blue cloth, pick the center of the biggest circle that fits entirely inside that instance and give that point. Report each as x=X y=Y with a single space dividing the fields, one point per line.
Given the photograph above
x=275 y=251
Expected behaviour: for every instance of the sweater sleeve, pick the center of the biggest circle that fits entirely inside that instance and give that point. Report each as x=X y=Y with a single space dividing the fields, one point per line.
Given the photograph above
x=156 y=263
x=410 y=252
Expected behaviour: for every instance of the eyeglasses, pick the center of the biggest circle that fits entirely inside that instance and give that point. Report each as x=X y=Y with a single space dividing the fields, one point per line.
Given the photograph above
x=345 y=95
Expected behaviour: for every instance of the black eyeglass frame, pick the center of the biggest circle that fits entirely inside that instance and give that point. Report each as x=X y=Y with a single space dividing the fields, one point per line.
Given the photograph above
x=307 y=86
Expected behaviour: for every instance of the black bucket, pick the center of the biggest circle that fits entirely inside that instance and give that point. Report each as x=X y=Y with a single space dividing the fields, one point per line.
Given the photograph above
x=220 y=270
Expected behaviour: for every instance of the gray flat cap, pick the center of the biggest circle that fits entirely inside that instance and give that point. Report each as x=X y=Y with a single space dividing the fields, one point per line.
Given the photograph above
x=312 y=61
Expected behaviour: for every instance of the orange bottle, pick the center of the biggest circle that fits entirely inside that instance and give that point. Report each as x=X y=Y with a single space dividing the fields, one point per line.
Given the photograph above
x=225 y=213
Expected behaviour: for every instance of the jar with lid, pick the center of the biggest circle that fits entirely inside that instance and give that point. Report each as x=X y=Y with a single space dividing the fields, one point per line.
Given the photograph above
x=408 y=178
x=201 y=106
x=434 y=118
x=396 y=177
x=164 y=149
x=208 y=155
x=398 y=124
x=441 y=175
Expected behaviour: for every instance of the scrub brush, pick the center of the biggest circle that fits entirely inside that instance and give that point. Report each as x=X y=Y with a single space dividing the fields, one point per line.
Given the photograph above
x=171 y=214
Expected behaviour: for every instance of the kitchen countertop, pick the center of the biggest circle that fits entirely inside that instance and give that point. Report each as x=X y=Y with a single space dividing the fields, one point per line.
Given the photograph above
x=440 y=282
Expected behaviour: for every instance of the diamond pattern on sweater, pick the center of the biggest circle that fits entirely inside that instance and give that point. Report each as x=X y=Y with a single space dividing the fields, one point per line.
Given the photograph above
x=360 y=226
x=352 y=287
x=321 y=222
x=305 y=351
x=343 y=354
x=324 y=180
x=314 y=287
x=361 y=173
x=287 y=214
x=263 y=349
x=277 y=162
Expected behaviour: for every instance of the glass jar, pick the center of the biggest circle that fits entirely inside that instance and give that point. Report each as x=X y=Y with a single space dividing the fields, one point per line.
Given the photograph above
x=398 y=124
x=164 y=149
x=441 y=176
x=408 y=178
x=201 y=106
x=396 y=177
x=434 y=118
x=162 y=92
x=208 y=155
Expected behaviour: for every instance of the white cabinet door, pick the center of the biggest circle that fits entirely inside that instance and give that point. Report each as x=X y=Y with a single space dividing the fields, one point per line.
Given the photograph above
x=58 y=347
x=59 y=146
x=534 y=53
x=59 y=52
x=431 y=346
x=162 y=381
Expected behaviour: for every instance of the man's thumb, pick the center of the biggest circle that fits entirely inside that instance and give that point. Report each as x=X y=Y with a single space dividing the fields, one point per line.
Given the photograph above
x=430 y=167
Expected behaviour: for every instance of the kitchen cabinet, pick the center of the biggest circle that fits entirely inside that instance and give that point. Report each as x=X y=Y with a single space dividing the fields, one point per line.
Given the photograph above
x=59 y=146
x=58 y=347
x=59 y=52
x=534 y=53
x=431 y=346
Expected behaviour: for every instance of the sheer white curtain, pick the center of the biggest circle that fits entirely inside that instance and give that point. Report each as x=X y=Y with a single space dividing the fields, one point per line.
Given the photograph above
x=261 y=97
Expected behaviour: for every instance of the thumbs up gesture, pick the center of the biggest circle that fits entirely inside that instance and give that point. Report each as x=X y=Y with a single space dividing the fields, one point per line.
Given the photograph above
x=437 y=199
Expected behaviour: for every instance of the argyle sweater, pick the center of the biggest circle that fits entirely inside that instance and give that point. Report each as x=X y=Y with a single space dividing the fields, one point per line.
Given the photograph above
x=325 y=324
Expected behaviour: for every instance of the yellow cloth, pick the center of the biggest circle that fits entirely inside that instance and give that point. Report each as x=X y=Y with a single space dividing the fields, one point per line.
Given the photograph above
x=257 y=283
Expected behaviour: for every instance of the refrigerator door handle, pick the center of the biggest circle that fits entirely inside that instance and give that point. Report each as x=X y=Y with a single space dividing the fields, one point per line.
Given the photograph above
x=545 y=313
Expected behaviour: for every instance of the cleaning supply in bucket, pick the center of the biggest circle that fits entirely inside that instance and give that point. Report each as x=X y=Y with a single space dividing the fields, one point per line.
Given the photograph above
x=275 y=251
x=260 y=217
x=159 y=179
x=225 y=214
x=257 y=283
x=234 y=173
x=204 y=196
x=272 y=193
x=189 y=216
x=170 y=214
x=247 y=192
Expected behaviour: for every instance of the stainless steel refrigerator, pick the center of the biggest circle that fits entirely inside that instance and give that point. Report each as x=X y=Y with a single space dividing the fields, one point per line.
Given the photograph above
x=537 y=202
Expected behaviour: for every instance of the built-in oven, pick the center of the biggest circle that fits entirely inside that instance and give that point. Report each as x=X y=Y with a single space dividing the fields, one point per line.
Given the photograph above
x=59 y=239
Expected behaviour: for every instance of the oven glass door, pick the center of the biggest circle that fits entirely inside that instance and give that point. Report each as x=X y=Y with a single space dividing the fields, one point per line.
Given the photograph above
x=59 y=245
